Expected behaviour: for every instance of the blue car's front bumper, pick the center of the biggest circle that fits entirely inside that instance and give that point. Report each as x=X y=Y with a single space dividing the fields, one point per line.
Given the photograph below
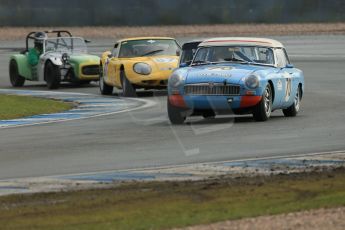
x=213 y=102
x=216 y=103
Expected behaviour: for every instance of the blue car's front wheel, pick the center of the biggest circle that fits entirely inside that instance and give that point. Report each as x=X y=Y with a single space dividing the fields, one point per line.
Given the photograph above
x=262 y=111
x=176 y=115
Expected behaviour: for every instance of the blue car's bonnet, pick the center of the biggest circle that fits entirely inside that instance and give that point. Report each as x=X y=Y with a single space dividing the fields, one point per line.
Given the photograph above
x=232 y=73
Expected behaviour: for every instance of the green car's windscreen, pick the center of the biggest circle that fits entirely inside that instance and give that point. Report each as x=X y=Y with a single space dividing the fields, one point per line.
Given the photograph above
x=65 y=44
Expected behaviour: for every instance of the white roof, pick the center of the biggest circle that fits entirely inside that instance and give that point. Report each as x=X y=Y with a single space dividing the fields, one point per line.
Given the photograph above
x=243 y=41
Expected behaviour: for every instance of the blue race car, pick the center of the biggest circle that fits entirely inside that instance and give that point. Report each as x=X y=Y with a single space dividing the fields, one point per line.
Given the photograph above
x=236 y=75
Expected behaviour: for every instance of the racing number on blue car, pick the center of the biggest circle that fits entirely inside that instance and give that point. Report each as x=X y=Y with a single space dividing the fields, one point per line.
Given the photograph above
x=288 y=88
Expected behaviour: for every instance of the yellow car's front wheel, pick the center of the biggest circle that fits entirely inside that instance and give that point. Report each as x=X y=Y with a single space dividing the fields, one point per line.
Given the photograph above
x=128 y=89
x=104 y=87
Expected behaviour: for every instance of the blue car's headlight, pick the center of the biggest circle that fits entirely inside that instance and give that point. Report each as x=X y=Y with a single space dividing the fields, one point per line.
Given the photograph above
x=175 y=80
x=252 y=81
x=142 y=68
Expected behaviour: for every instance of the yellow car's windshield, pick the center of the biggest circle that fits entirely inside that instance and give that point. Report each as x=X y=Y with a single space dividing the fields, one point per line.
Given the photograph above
x=148 y=47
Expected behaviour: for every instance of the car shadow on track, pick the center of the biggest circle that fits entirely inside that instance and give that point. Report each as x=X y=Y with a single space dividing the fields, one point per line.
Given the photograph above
x=247 y=119
x=234 y=119
x=229 y=119
x=61 y=87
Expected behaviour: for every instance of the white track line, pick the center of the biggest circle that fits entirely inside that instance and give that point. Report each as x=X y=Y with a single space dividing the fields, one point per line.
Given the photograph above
x=57 y=176
x=211 y=162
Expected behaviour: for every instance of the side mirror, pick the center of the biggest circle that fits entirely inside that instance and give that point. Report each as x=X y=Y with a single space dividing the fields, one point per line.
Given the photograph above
x=87 y=41
x=178 y=52
x=289 y=66
x=185 y=64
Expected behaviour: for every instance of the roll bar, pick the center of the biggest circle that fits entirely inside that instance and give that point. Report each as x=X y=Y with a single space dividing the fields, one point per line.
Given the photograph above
x=57 y=32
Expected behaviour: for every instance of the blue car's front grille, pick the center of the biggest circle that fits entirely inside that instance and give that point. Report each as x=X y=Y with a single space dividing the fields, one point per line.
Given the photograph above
x=211 y=89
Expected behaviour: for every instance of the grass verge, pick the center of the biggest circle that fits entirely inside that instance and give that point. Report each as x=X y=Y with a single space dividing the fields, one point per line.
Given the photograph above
x=12 y=106
x=160 y=205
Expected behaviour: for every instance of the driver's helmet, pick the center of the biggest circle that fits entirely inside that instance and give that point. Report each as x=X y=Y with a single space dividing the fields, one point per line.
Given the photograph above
x=39 y=39
x=269 y=56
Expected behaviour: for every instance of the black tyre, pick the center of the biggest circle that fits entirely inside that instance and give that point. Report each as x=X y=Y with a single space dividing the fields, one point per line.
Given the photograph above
x=52 y=75
x=263 y=110
x=128 y=89
x=15 y=78
x=209 y=114
x=104 y=87
x=84 y=82
x=292 y=111
x=176 y=115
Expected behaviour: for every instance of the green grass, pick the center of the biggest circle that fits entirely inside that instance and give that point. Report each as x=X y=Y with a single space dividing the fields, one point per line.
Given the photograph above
x=160 y=205
x=12 y=106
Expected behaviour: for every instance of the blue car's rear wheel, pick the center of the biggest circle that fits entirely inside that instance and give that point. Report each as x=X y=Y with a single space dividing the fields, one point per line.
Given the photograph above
x=262 y=111
x=294 y=108
x=176 y=115
x=15 y=78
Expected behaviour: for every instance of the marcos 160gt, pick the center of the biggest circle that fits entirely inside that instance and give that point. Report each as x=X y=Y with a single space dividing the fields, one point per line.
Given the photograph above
x=236 y=75
x=145 y=62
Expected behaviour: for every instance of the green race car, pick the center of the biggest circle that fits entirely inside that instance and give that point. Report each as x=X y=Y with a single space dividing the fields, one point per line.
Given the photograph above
x=54 y=60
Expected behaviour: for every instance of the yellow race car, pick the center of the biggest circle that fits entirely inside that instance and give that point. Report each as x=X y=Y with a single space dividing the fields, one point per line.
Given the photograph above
x=144 y=62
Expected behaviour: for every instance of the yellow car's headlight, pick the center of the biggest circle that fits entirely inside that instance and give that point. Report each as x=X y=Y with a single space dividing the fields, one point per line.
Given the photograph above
x=142 y=68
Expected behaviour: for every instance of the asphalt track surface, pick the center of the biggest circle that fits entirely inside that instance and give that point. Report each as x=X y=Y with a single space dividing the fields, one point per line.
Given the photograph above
x=144 y=138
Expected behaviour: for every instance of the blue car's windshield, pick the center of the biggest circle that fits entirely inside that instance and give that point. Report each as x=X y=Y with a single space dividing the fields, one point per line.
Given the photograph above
x=241 y=54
